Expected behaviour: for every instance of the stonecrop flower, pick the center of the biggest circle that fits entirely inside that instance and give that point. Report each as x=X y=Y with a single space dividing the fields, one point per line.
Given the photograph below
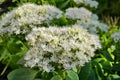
x=86 y=19
x=23 y=18
x=116 y=37
x=78 y=13
x=60 y=47
x=91 y=3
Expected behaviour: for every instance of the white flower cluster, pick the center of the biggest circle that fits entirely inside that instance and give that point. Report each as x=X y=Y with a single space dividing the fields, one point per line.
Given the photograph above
x=23 y=18
x=86 y=19
x=91 y=3
x=116 y=37
x=78 y=13
x=60 y=47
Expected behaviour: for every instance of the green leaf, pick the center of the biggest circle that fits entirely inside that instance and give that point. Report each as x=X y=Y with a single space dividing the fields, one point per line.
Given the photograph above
x=97 y=60
x=107 y=66
x=22 y=74
x=4 y=55
x=115 y=77
x=13 y=46
x=107 y=55
x=100 y=70
x=97 y=74
x=71 y=75
x=92 y=75
x=13 y=62
x=62 y=21
x=65 y=4
x=85 y=71
x=56 y=77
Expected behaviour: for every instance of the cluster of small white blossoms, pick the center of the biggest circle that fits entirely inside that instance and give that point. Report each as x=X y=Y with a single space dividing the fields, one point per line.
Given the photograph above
x=86 y=19
x=61 y=47
x=91 y=3
x=23 y=18
x=78 y=13
x=116 y=37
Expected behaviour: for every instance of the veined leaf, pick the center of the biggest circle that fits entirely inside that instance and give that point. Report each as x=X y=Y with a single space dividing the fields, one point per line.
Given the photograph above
x=22 y=74
x=56 y=77
x=71 y=75
x=85 y=72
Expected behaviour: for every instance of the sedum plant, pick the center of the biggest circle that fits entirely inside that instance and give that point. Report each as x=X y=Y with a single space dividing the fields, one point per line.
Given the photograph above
x=52 y=43
x=91 y=3
x=22 y=19
x=68 y=47
x=86 y=19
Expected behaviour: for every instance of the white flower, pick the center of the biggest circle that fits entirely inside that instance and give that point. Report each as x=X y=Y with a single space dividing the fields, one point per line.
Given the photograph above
x=78 y=1
x=116 y=37
x=86 y=19
x=64 y=48
x=78 y=13
x=91 y=3
x=93 y=25
x=27 y=16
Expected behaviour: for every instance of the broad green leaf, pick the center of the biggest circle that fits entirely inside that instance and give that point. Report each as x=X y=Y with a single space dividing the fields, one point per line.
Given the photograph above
x=85 y=71
x=13 y=46
x=56 y=77
x=71 y=75
x=92 y=75
x=13 y=62
x=22 y=74
x=75 y=70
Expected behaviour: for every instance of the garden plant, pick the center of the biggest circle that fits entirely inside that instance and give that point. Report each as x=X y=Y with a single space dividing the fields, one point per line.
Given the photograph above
x=58 y=40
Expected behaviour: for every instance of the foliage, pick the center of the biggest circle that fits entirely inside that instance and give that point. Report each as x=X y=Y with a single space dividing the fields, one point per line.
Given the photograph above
x=105 y=65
